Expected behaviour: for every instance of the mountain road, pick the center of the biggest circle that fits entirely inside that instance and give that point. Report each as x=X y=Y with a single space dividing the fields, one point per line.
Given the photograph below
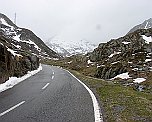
x=52 y=95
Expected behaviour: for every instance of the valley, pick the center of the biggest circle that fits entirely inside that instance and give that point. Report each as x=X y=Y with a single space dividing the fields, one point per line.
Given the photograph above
x=119 y=72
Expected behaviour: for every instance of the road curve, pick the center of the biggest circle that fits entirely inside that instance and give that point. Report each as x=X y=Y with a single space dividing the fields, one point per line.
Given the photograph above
x=52 y=95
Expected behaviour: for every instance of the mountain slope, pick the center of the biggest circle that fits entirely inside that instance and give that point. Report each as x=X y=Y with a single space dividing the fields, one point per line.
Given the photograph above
x=24 y=39
x=71 y=48
x=145 y=25
x=131 y=54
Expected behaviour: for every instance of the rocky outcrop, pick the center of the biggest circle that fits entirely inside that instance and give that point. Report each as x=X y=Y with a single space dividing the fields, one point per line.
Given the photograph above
x=131 y=53
x=13 y=63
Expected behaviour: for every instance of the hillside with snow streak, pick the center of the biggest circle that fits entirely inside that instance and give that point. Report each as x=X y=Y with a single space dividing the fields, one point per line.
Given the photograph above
x=24 y=39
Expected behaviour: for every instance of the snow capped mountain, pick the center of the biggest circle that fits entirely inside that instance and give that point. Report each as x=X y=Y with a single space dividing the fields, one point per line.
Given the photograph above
x=145 y=25
x=24 y=39
x=71 y=48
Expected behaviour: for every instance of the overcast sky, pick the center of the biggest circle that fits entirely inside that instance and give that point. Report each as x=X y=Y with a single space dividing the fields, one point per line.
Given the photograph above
x=72 y=20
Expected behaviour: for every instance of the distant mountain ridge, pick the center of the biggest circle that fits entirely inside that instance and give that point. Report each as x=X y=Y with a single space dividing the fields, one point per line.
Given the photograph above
x=71 y=48
x=145 y=25
x=24 y=39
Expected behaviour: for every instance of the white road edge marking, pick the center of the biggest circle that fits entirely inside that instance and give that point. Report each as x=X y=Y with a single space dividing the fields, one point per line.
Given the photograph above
x=97 y=113
x=3 y=113
x=52 y=77
x=45 y=86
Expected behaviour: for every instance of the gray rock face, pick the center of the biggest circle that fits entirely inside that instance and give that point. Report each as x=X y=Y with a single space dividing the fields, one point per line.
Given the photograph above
x=131 y=53
x=14 y=65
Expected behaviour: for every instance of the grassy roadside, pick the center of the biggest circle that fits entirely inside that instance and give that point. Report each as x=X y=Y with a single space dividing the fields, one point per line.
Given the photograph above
x=119 y=103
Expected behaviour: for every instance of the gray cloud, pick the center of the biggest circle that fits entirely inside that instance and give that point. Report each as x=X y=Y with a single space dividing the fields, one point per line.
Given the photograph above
x=93 y=20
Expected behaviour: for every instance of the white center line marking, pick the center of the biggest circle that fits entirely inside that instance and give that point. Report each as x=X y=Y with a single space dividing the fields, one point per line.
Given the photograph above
x=45 y=85
x=52 y=77
x=53 y=73
x=3 y=113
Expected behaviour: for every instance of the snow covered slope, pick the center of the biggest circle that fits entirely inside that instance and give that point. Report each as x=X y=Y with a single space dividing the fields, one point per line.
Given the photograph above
x=24 y=39
x=71 y=48
x=145 y=25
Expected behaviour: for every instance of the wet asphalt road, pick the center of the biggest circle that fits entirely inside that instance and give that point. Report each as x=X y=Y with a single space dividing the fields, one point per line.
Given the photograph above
x=52 y=95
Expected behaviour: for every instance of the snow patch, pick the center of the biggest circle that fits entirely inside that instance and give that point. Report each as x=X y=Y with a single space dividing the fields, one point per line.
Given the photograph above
x=148 y=60
x=89 y=62
x=135 y=69
x=18 y=46
x=4 y=22
x=115 y=62
x=146 y=27
x=148 y=56
x=122 y=76
x=14 y=80
x=31 y=42
x=1 y=44
x=115 y=53
x=139 y=80
x=150 y=69
x=13 y=53
x=69 y=62
x=126 y=42
x=147 y=39
x=55 y=59
x=17 y=38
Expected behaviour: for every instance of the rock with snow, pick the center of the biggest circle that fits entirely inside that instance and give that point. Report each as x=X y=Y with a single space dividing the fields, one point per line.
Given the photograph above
x=147 y=39
x=131 y=53
x=115 y=53
x=24 y=39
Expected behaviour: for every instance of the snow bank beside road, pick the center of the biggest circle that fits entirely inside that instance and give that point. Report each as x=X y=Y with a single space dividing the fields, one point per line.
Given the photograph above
x=14 y=80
